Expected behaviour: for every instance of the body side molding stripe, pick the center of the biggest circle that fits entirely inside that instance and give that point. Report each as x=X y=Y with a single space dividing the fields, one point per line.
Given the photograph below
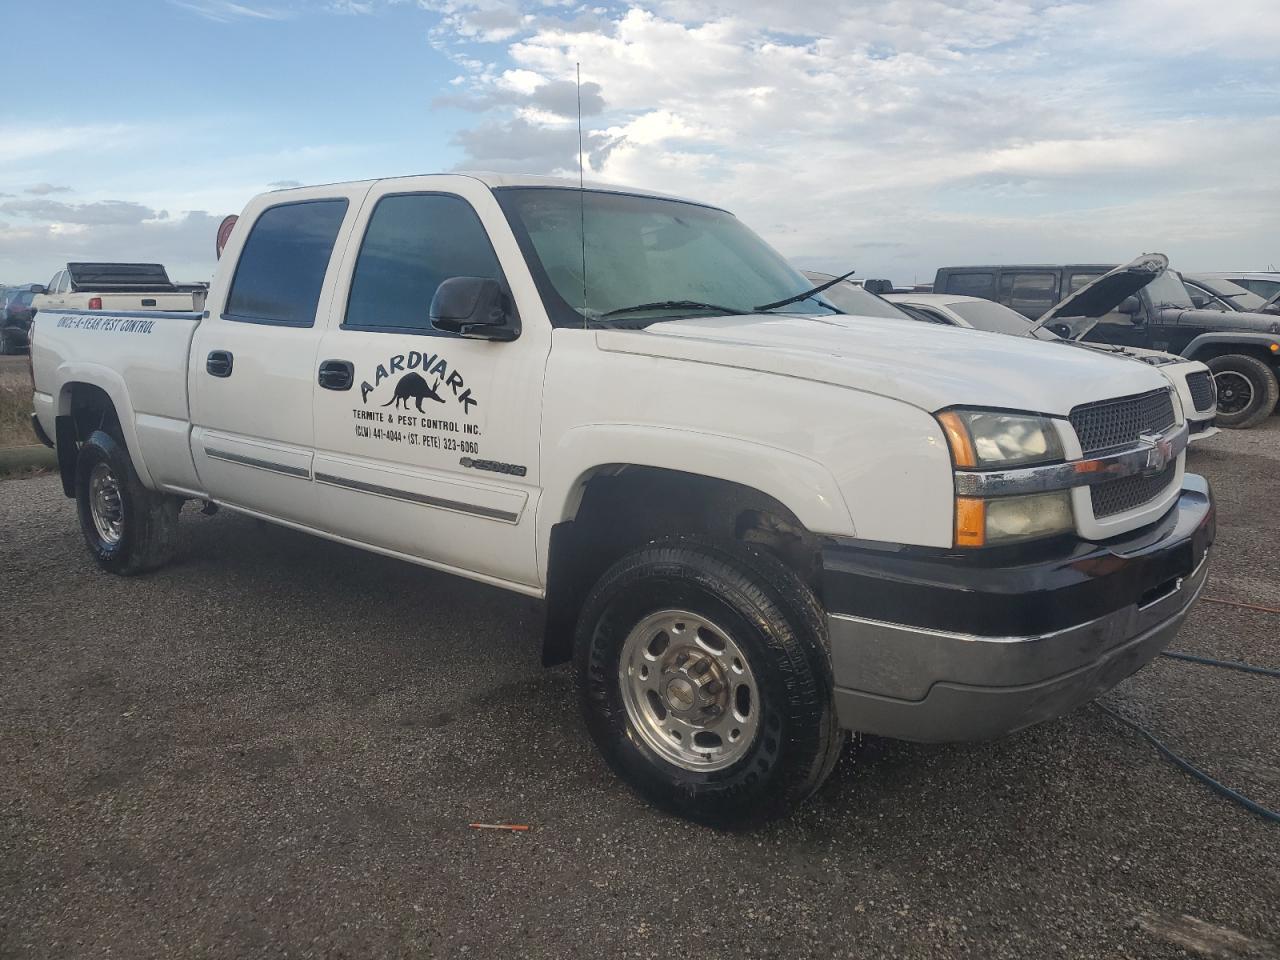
x=291 y=471
x=490 y=513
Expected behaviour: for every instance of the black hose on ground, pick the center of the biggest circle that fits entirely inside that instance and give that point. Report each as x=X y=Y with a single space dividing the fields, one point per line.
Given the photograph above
x=1225 y=664
x=1177 y=759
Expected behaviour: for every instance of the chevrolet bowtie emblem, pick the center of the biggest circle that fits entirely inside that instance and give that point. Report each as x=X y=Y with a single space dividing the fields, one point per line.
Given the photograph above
x=1158 y=455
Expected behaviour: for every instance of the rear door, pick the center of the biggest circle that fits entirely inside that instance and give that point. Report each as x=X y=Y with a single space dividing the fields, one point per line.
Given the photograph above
x=431 y=449
x=253 y=363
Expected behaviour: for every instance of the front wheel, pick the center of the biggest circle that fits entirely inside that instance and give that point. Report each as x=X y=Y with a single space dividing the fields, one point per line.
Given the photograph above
x=706 y=682
x=128 y=528
x=1247 y=390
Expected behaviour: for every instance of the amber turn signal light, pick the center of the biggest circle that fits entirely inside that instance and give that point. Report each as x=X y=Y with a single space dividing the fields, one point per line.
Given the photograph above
x=958 y=440
x=971 y=522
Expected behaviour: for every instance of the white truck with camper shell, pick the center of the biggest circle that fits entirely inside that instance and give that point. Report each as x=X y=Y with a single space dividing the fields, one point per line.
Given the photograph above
x=757 y=522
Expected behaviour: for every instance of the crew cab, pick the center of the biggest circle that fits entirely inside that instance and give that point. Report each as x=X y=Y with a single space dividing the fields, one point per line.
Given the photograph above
x=116 y=287
x=755 y=522
x=1242 y=349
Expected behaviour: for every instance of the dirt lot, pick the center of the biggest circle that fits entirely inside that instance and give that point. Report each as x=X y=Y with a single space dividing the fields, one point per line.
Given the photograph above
x=275 y=745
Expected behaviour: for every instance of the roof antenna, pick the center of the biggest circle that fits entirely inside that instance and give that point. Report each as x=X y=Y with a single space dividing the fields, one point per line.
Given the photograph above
x=582 y=200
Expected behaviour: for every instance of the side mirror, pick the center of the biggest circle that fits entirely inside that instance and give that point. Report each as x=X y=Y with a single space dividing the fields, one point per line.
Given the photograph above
x=39 y=288
x=475 y=307
x=1131 y=307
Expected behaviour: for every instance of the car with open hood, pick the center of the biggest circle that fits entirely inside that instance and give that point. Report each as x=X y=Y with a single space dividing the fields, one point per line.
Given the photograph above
x=1068 y=322
x=1241 y=348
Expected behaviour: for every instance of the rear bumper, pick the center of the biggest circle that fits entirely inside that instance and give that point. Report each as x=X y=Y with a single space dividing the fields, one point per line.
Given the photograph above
x=950 y=648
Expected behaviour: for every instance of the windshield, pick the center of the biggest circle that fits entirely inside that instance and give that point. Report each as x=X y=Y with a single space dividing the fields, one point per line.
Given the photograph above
x=645 y=250
x=997 y=318
x=1167 y=290
x=851 y=298
x=1246 y=300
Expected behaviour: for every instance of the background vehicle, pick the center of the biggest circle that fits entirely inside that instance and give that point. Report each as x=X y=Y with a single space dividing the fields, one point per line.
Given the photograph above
x=755 y=521
x=1265 y=283
x=118 y=286
x=1214 y=293
x=1191 y=378
x=1242 y=349
x=15 y=318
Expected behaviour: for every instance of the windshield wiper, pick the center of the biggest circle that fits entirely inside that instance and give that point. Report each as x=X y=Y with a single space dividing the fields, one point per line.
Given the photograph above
x=766 y=307
x=670 y=305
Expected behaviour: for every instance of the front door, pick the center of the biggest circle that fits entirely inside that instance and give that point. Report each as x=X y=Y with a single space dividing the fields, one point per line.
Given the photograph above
x=253 y=365
x=426 y=443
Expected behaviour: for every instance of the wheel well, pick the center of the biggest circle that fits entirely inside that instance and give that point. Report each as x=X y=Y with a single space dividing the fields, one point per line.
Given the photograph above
x=1212 y=350
x=88 y=408
x=622 y=507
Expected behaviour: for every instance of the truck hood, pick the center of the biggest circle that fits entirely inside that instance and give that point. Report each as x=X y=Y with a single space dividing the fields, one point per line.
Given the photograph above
x=928 y=366
x=1082 y=310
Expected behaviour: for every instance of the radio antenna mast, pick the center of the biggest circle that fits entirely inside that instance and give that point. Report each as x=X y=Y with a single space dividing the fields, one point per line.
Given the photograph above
x=582 y=198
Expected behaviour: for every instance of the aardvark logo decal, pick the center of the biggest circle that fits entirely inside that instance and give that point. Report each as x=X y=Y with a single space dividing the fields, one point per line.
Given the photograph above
x=437 y=382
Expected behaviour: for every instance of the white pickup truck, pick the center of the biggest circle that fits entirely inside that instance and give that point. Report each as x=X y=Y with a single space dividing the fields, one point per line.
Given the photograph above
x=112 y=287
x=756 y=522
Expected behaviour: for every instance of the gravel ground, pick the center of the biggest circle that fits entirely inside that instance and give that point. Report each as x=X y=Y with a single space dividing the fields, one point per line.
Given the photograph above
x=274 y=746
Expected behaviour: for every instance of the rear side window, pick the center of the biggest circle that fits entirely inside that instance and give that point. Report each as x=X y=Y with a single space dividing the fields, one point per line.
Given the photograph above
x=1036 y=292
x=972 y=285
x=282 y=265
x=414 y=242
x=1078 y=280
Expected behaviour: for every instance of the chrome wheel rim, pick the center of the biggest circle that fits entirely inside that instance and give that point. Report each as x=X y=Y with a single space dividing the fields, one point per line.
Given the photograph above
x=1235 y=392
x=689 y=691
x=105 y=504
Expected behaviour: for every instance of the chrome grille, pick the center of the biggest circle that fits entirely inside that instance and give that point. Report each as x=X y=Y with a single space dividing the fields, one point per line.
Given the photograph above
x=1203 y=394
x=1127 y=493
x=1120 y=423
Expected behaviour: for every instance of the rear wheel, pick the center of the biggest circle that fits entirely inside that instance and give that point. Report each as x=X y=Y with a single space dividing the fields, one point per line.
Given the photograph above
x=128 y=528
x=1247 y=390
x=706 y=682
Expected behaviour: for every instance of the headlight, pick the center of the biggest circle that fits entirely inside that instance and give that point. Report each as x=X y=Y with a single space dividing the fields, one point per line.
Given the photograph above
x=985 y=440
x=981 y=439
x=986 y=523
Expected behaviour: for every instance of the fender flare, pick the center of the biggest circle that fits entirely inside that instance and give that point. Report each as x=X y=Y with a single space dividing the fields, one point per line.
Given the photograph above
x=804 y=486
x=1262 y=340
x=113 y=385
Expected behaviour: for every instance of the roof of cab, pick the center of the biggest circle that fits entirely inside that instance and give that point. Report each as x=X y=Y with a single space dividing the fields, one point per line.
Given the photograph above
x=494 y=179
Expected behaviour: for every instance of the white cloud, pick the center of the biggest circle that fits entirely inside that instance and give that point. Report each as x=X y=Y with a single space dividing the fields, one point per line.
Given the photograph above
x=907 y=131
x=225 y=11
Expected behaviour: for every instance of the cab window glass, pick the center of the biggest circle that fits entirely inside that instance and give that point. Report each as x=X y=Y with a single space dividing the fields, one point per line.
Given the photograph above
x=412 y=244
x=1078 y=280
x=1027 y=291
x=283 y=263
x=972 y=284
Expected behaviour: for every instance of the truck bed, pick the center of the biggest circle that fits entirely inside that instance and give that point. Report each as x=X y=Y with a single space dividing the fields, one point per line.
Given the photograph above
x=140 y=359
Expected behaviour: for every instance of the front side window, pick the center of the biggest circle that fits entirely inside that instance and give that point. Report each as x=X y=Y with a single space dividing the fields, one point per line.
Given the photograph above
x=283 y=263
x=1028 y=292
x=645 y=250
x=412 y=244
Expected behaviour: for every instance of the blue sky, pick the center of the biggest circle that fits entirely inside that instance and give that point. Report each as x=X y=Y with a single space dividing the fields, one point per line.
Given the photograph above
x=888 y=135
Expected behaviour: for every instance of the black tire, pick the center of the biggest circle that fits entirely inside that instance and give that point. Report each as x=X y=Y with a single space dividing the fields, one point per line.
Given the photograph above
x=1247 y=390
x=148 y=521
x=774 y=620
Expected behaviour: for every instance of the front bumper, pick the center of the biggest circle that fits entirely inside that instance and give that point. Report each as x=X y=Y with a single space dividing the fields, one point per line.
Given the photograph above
x=955 y=647
x=1202 y=429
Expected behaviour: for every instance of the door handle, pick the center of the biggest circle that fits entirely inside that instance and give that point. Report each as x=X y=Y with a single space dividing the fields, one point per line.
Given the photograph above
x=337 y=374
x=219 y=363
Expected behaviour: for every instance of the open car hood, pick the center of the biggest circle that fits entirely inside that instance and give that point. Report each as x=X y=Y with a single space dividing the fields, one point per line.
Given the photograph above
x=1081 y=311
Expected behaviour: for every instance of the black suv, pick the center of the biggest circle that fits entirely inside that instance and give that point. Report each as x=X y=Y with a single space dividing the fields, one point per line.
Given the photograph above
x=1242 y=349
